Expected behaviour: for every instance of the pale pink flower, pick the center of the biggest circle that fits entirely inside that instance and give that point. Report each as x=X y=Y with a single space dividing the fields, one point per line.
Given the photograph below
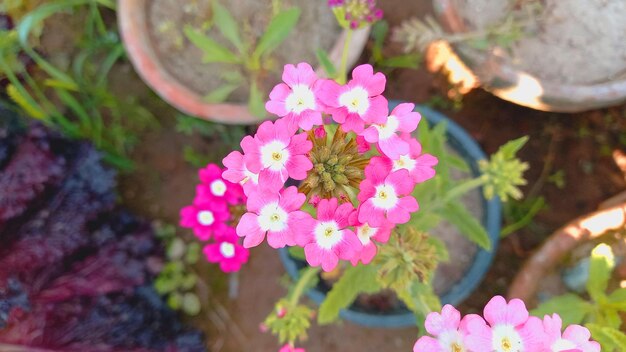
x=574 y=338
x=402 y=119
x=508 y=327
x=277 y=154
x=237 y=172
x=328 y=239
x=358 y=102
x=205 y=218
x=296 y=100
x=275 y=214
x=367 y=234
x=226 y=251
x=213 y=186
x=290 y=348
x=420 y=166
x=448 y=329
x=385 y=195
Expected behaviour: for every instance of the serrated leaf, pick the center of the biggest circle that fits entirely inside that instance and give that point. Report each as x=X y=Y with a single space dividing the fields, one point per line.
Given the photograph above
x=256 y=105
x=570 y=307
x=277 y=31
x=601 y=266
x=355 y=280
x=510 y=148
x=213 y=51
x=220 y=94
x=227 y=25
x=327 y=64
x=469 y=227
x=191 y=304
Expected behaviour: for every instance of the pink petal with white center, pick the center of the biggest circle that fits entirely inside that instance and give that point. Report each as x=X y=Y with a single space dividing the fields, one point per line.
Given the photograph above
x=532 y=334
x=349 y=245
x=300 y=144
x=377 y=111
x=235 y=167
x=424 y=168
x=326 y=209
x=257 y=200
x=427 y=344
x=369 y=214
x=249 y=228
x=393 y=147
x=401 y=181
x=209 y=173
x=297 y=167
x=301 y=74
x=407 y=118
x=291 y=199
x=328 y=93
x=342 y=214
x=498 y=311
x=373 y=83
x=272 y=180
x=281 y=239
x=402 y=213
x=580 y=336
x=437 y=323
x=307 y=119
x=479 y=335
x=276 y=104
x=252 y=155
x=377 y=170
x=212 y=253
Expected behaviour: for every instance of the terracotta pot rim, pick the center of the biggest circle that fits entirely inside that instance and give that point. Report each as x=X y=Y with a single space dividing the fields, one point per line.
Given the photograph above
x=501 y=78
x=135 y=35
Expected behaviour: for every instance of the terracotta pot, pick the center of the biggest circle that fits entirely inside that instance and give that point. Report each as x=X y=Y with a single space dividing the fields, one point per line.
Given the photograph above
x=135 y=33
x=560 y=244
x=498 y=76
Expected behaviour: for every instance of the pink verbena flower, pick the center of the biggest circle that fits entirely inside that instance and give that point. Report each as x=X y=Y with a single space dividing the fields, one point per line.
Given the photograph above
x=402 y=119
x=362 y=146
x=448 y=329
x=367 y=234
x=420 y=166
x=213 y=186
x=277 y=154
x=328 y=239
x=358 y=102
x=226 y=251
x=508 y=328
x=205 y=218
x=385 y=195
x=290 y=348
x=296 y=99
x=276 y=214
x=574 y=338
x=237 y=172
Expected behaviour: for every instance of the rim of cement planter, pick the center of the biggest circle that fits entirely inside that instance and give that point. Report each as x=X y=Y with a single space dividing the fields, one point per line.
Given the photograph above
x=498 y=76
x=560 y=244
x=133 y=24
x=467 y=147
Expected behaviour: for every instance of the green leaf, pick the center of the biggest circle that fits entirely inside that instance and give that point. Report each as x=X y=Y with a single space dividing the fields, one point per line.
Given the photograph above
x=355 y=280
x=379 y=33
x=421 y=300
x=457 y=163
x=220 y=94
x=296 y=252
x=510 y=148
x=163 y=285
x=175 y=300
x=327 y=64
x=256 y=105
x=601 y=266
x=191 y=304
x=213 y=52
x=277 y=31
x=469 y=227
x=227 y=25
x=609 y=338
x=570 y=307
x=26 y=102
x=193 y=253
x=440 y=247
x=403 y=61
x=618 y=299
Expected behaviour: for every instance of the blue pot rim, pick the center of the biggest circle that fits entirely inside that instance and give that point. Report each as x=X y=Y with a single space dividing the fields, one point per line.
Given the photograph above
x=463 y=143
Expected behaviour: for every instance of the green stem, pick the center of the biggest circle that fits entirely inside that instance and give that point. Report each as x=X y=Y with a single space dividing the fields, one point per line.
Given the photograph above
x=458 y=191
x=343 y=74
x=303 y=282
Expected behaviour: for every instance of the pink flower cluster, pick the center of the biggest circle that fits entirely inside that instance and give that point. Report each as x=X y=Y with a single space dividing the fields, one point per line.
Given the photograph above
x=358 y=12
x=281 y=150
x=506 y=327
x=209 y=216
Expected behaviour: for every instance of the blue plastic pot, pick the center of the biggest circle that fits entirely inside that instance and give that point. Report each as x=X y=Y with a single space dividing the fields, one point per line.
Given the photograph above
x=469 y=150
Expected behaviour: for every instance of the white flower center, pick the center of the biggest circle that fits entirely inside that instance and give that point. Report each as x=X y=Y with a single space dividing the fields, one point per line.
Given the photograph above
x=562 y=345
x=404 y=162
x=272 y=218
x=327 y=234
x=300 y=99
x=274 y=155
x=206 y=218
x=218 y=188
x=365 y=233
x=389 y=128
x=355 y=100
x=506 y=339
x=227 y=249
x=451 y=341
x=385 y=197
x=249 y=176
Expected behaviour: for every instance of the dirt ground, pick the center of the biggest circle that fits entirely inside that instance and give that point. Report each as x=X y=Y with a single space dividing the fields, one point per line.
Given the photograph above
x=576 y=147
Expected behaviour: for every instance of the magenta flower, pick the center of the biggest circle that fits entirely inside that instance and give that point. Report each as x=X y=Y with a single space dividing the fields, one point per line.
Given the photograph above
x=385 y=195
x=274 y=214
x=508 y=327
x=237 y=172
x=276 y=154
x=420 y=166
x=290 y=348
x=402 y=119
x=214 y=187
x=226 y=251
x=328 y=239
x=362 y=146
x=367 y=234
x=205 y=218
x=296 y=100
x=574 y=338
x=358 y=102
x=448 y=329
